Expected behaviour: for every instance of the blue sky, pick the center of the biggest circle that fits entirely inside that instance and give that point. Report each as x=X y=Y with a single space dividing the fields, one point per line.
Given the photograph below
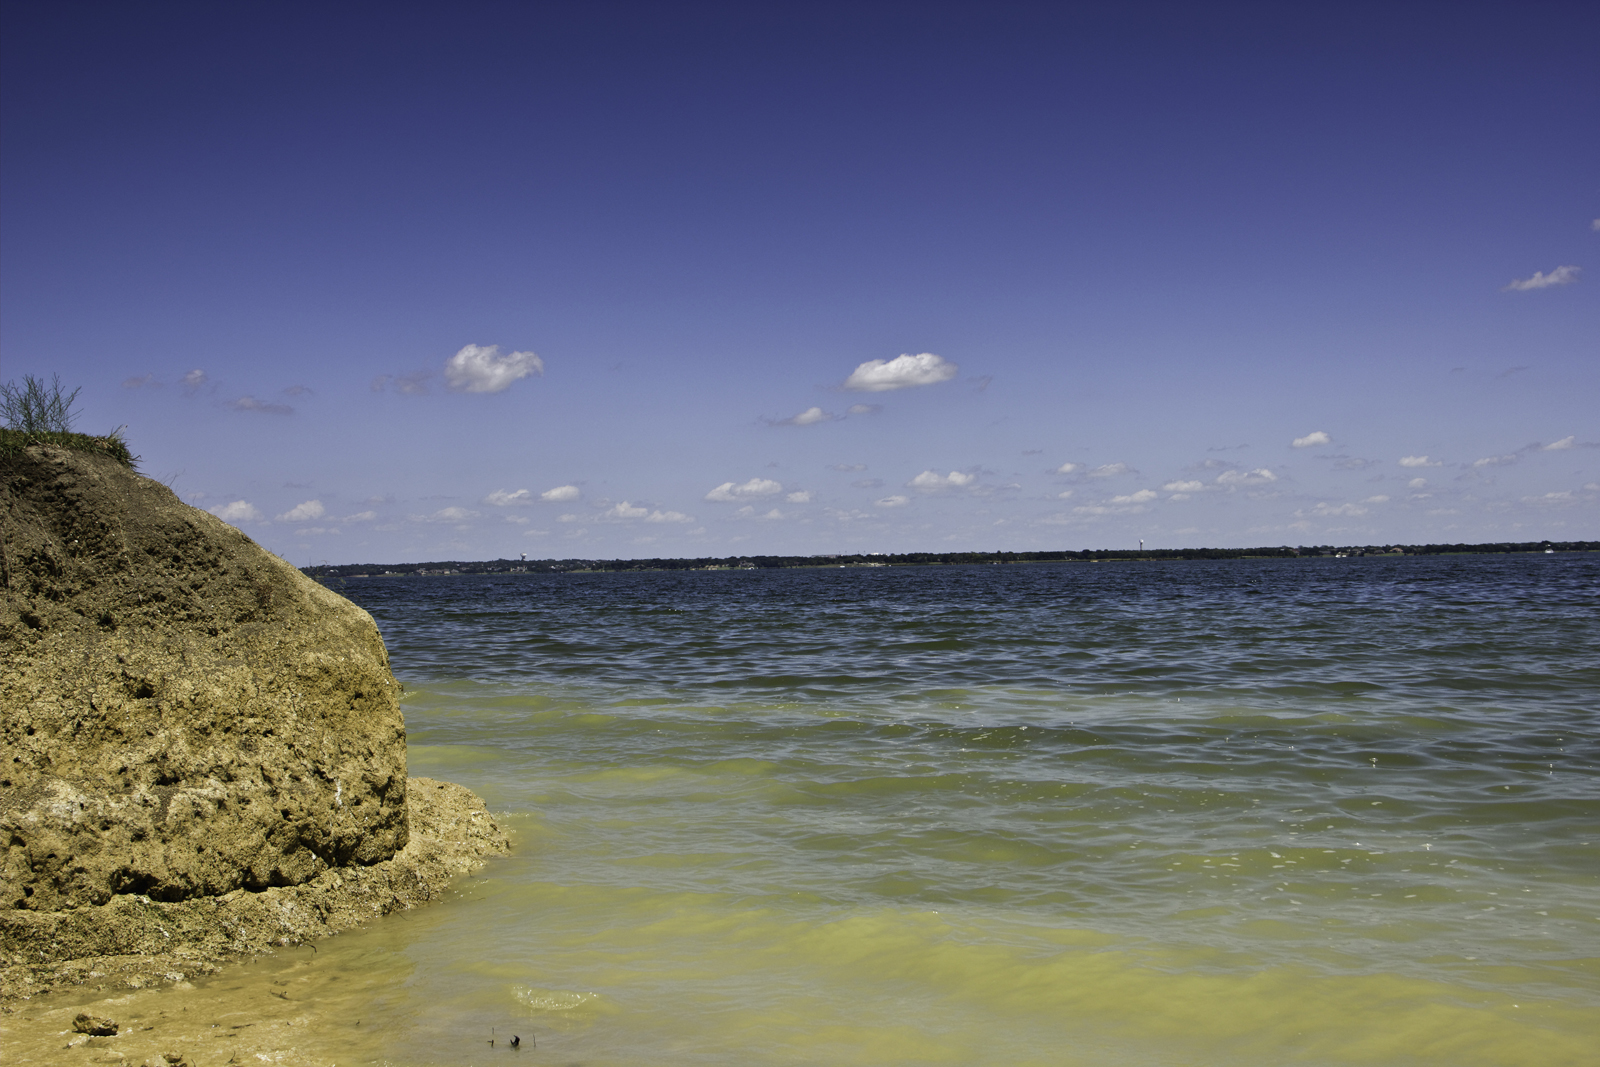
x=384 y=282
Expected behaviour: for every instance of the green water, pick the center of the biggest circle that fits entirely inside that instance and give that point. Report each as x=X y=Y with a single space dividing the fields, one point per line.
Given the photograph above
x=1254 y=812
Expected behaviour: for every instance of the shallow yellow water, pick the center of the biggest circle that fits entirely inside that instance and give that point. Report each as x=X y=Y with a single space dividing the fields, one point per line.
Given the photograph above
x=1231 y=815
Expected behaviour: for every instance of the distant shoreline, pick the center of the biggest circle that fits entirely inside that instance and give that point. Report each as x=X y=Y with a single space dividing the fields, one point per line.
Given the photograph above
x=923 y=559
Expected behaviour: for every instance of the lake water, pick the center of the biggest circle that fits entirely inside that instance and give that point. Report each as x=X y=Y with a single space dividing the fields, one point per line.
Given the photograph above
x=1212 y=813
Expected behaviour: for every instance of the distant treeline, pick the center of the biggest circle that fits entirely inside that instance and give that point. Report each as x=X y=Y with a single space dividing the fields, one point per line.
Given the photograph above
x=919 y=559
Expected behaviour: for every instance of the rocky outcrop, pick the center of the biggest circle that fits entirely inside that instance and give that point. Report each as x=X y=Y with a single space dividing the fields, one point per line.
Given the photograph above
x=183 y=715
x=133 y=941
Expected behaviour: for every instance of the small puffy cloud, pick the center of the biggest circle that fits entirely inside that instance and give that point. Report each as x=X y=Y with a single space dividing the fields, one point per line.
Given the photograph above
x=628 y=512
x=1233 y=479
x=892 y=502
x=559 y=493
x=238 y=511
x=1352 y=463
x=1595 y=225
x=1332 y=510
x=482 y=369
x=250 y=403
x=1496 y=461
x=501 y=498
x=360 y=516
x=1143 y=496
x=1561 y=445
x=1069 y=468
x=1312 y=439
x=748 y=512
x=451 y=514
x=1416 y=483
x=1190 y=486
x=1419 y=461
x=864 y=409
x=1564 y=496
x=1540 y=280
x=808 y=417
x=193 y=380
x=1064 y=495
x=755 y=487
x=311 y=509
x=902 y=372
x=1110 y=470
x=803 y=496
x=1379 y=499
x=931 y=481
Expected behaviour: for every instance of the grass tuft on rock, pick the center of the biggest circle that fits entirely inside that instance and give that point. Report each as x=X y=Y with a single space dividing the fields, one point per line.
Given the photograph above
x=113 y=444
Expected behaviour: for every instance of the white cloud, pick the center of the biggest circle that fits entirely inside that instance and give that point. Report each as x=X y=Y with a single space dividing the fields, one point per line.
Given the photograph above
x=194 y=379
x=482 y=369
x=250 y=403
x=1562 y=497
x=1416 y=483
x=1069 y=468
x=626 y=510
x=360 y=516
x=1259 y=476
x=1315 y=437
x=1562 y=445
x=864 y=409
x=803 y=496
x=1184 y=487
x=1540 y=280
x=502 y=498
x=1143 y=496
x=1330 y=510
x=1379 y=499
x=1064 y=496
x=808 y=417
x=1419 y=461
x=748 y=512
x=238 y=511
x=451 y=514
x=892 y=502
x=1595 y=225
x=311 y=509
x=560 y=492
x=728 y=492
x=668 y=516
x=1496 y=461
x=1110 y=470
x=929 y=481
x=902 y=372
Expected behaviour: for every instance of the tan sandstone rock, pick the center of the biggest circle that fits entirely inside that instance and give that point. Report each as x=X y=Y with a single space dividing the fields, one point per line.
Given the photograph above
x=182 y=714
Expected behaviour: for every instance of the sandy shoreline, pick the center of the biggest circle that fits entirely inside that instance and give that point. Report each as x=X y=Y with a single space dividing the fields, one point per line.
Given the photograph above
x=149 y=988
